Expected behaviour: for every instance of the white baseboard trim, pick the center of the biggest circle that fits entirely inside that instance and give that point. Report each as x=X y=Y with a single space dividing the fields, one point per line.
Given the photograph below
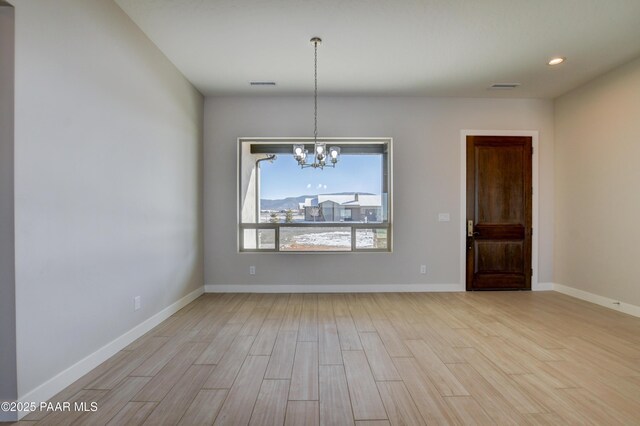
x=331 y=288
x=598 y=300
x=542 y=287
x=63 y=379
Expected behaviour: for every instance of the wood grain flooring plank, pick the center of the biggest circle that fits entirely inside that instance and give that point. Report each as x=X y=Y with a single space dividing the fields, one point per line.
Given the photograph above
x=266 y=338
x=254 y=323
x=430 y=403
x=329 y=344
x=335 y=406
x=210 y=326
x=271 y=404
x=185 y=322
x=325 y=309
x=171 y=409
x=162 y=383
x=550 y=398
x=392 y=342
x=220 y=344
x=604 y=358
x=308 y=331
x=132 y=414
x=340 y=306
x=529 y=346
x=598 y=411
x=239 y=404
x=359 y=314
x=437 y=343
x=291 y=320
x=267 y=300
x=399 y=405
x=502 y=383
x=435 y=369
x=154 y=363
x=347 y=333
x=279 y=307
x=373 y=309
x=620 y=392
x=226 y=370
x=127 y=364
x=302 y=413
x=469 y=411
x=281 y=360
x=242 y=314
x=379 y=360
x=113 y=401
x=365 y=398
x=304 y=377
x=487 y=396
x=204 y=408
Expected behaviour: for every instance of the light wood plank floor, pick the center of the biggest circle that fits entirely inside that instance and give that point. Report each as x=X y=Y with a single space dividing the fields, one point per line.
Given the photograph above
x=371 y=359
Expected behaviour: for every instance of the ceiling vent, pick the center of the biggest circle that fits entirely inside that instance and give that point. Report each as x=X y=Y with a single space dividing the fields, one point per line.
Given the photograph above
x=262 y=83
x=504 y=86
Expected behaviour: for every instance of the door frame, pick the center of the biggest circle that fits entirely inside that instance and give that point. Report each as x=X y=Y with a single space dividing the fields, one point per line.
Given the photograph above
x=463 y=199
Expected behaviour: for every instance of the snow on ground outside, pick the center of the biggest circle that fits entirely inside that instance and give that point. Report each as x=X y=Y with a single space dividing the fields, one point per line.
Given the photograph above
x=326 y=239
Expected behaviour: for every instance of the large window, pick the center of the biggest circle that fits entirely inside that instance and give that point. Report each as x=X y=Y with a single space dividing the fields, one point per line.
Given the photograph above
x=283 y=207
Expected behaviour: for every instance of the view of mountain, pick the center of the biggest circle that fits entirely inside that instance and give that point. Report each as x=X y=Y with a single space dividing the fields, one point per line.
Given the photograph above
x=293 y=202
x=283 y=204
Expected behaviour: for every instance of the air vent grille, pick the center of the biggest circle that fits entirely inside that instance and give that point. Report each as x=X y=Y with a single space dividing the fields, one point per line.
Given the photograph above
x=262 y=83
x=504 y=86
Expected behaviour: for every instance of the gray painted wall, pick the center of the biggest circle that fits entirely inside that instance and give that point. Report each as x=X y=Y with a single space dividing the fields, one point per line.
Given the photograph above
x=597 y=180
x=8 y=389
x=426 y=181
x=108 y=182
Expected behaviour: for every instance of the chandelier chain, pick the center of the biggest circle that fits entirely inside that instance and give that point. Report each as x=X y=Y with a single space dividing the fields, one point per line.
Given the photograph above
x=315 y=92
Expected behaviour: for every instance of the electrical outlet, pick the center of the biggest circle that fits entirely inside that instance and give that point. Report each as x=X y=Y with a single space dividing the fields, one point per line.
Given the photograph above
x=252 y=270
x=423 y=269
x=136 y=303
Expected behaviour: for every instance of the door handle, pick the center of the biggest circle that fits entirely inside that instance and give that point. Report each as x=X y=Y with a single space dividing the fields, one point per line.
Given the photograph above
x=470 y=232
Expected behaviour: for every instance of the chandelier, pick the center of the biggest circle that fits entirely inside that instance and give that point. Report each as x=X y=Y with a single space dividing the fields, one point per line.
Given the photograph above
x=320 y=154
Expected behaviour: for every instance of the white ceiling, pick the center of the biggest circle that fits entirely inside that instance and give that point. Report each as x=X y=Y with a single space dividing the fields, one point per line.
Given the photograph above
x=387 y=47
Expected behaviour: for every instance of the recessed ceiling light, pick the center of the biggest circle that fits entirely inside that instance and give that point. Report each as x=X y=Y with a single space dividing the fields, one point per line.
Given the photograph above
x=556 y=61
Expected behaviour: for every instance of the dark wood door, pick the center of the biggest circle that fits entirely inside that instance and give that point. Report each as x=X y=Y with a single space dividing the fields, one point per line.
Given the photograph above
x=499 y=213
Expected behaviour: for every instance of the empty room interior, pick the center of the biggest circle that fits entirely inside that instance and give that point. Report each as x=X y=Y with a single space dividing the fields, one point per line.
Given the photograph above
x=319 y=213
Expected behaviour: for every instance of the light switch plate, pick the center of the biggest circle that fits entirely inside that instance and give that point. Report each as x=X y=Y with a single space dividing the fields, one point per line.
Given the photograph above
x=444 y=217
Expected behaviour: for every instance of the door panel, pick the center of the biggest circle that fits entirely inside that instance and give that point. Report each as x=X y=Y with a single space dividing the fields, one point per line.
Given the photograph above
x=501 y=256
x=499 y=204
x=499 y=178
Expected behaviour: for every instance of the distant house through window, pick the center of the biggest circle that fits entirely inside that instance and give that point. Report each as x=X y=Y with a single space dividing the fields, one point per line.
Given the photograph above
x=285 y=208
